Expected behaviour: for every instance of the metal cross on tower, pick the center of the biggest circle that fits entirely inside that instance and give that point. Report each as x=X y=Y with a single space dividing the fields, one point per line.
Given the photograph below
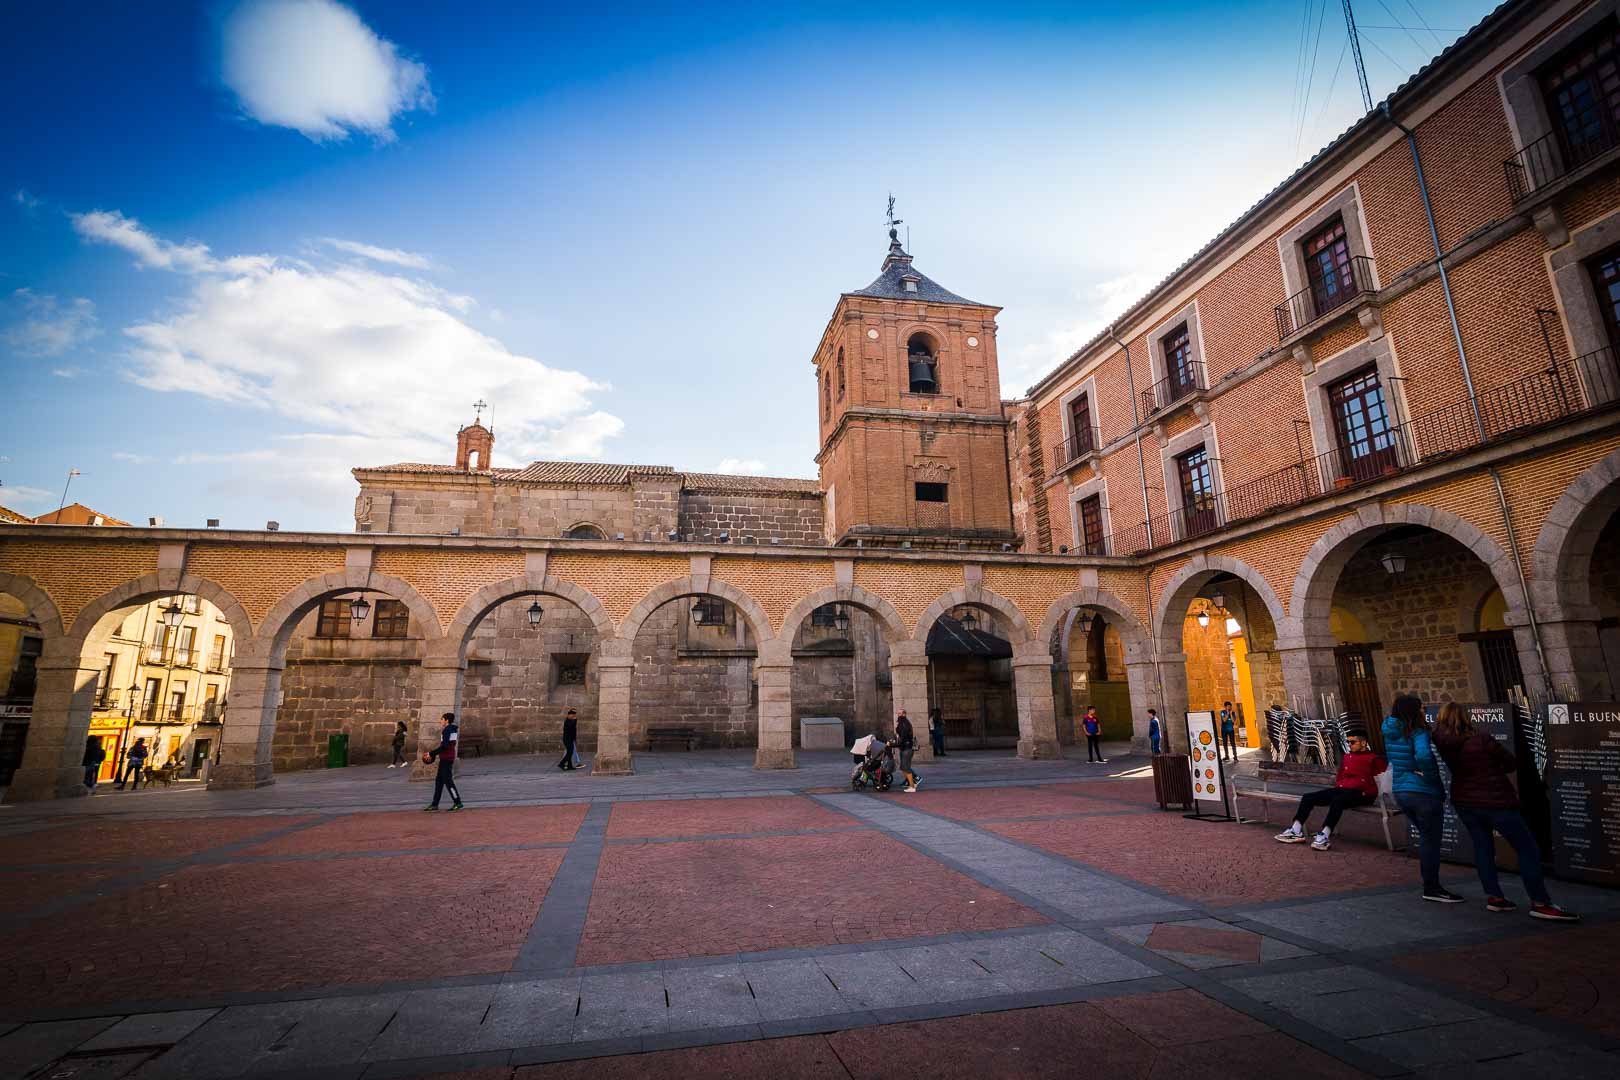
x=478 y=409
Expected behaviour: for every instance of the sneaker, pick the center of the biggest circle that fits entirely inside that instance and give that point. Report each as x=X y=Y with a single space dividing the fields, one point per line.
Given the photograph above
x=1102 y=761
x=429 y=809
x=909 y=788
x=1441 y=895
x=1552 y=913
x=917 y=783
x=1289 y=836
x=1500 y=903
x=456 y=806
x=1322 y=841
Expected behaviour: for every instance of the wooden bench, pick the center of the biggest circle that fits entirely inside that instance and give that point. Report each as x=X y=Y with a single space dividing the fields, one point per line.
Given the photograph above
x=475 y=743
x=682 y=738
x=1384 y=807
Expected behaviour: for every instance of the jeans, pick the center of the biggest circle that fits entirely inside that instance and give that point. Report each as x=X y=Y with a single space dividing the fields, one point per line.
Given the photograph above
x=1228 y=743
x=1427 y=813
x=1153 y=743
x=399 y=755
x=90 y=776
x=567 y=761
x=1510 y=824
x=132 y=772
x=1336 y=799
x=445 y=780
x=1094 y=748
x=937 y=737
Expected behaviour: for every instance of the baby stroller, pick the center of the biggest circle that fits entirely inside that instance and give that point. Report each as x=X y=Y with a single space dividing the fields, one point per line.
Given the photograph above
x=874 y=764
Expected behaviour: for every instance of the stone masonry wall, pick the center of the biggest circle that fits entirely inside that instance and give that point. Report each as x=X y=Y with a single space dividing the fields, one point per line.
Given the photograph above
x=704 y=516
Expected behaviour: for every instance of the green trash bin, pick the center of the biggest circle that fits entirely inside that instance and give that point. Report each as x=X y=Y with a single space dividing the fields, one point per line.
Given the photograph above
x=337 y=751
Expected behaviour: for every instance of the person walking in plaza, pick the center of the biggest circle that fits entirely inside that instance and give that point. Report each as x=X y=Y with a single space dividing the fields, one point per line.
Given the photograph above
x=445 y=753
x=94 y=755
x=905 y=741
x=1228 y=731
x=1415 y=779
x=134 y=766
x=1154 y=733
x=1093 y=729
x=400 y=732
x=1356 y=784
x=570 y=736
x=1486 y=802
x=936 y=730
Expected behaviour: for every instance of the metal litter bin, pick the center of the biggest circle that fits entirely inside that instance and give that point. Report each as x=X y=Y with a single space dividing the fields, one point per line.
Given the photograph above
x=1172 y=780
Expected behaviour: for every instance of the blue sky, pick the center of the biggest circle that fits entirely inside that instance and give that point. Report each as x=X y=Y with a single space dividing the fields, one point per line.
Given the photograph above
x=245 y=246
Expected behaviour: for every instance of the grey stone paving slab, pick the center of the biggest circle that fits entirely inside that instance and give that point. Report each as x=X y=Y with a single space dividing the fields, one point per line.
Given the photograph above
x=531 y=1013
x=330 y=1031
x=106 y=1065
x=872 y=980
x=1564 y=1063
x=616 y=1006
x=1458 y=1044
x=1022 y=966
x=1356 y=1014
x=792 y=989
x=150 y=1029
x=554 y=937
x=711 y=996
x=33 y=1045
x=946 y=974
x=428 y=1022
x=226 y=1045
x=1294 y=985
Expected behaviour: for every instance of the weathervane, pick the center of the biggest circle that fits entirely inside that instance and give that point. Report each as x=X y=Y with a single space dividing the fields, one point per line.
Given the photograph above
x=478 y=409
x=892 y=221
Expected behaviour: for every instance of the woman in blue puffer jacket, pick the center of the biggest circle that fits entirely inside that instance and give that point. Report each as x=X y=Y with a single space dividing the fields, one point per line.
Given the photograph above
x=1415 y=774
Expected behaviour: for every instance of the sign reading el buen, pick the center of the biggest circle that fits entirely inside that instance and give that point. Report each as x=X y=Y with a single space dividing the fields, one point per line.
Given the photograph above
x=1583 y=786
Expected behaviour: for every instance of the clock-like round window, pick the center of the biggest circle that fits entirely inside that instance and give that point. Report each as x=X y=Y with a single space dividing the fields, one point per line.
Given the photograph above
x=973 y=343
x=872 y=334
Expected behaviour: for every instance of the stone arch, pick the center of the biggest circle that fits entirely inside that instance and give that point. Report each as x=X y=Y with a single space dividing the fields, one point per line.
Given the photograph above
x=1562 y=562
x=1319 y=573
x=1180 y=591
x=278 y=624
x=161 y=583
x=1137 y=645
x=696 y=586
x=585 y=530
x=976 y=596
x=37 y=600
x=894 y=627
x=485 y=600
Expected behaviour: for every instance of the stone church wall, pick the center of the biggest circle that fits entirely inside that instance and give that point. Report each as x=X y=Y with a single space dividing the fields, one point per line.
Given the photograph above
x=788 y=520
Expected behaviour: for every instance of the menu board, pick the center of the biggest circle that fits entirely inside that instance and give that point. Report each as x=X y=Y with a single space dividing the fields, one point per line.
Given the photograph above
x=1583 y=786
x=1206 y=766
x=1495 y=721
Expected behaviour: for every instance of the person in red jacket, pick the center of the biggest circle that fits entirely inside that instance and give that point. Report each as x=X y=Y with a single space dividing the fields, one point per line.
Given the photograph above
x=1355 y=785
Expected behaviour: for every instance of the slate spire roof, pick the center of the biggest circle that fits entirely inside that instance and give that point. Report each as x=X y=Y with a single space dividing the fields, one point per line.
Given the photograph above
x=898 y=271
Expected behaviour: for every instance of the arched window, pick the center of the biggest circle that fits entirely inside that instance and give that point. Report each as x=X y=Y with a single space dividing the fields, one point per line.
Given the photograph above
x=826 y=396
x=840 y=374
x=585 y=531
x=922 y=365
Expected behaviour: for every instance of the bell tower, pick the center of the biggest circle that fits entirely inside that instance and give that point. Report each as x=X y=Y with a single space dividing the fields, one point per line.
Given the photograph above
x=913 y=440
x=474 y=442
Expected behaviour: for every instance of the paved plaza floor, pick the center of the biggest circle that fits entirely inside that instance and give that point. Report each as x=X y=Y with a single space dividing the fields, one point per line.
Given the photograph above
x=703 y=919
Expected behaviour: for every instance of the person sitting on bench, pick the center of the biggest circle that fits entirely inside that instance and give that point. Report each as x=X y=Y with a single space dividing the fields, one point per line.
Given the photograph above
x=1355 y=785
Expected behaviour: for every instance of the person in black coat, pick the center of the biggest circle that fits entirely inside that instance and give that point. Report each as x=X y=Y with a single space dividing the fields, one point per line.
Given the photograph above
x=94 y=755
x=570 y=736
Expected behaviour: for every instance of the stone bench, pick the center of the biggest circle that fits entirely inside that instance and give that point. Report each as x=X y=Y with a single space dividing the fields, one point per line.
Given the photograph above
x=821 y=733
x=680 y=738
x=475 y=743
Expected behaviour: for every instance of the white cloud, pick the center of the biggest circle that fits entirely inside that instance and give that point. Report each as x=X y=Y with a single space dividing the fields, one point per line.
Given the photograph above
x=67 y=372
x=21 y=496
x=133 y=459
x=315 y=67
x=369 y=361
x=24 y=199
x=1101 y=303
x=48 y=326
x=741 y=467
x=408 y=259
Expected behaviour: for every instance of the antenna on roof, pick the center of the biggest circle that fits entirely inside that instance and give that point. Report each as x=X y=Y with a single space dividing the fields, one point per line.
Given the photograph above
x=1355 y=48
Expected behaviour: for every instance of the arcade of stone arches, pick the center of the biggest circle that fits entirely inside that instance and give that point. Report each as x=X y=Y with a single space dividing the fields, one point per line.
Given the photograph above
x=1397 y=597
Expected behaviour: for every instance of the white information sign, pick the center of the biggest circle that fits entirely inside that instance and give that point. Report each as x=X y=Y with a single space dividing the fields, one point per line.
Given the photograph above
x=1206 y=766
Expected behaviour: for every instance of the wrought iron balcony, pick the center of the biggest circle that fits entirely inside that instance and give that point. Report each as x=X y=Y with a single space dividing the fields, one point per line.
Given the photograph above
x=1550 y=158
x=1076 y=446
x=1320 y=299
x=1186 y=381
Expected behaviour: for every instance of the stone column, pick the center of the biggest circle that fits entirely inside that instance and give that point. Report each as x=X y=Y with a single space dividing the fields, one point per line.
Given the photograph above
x=908 y=673
x=64 y=692
x=249 y=729
x=1037 y=713
x=774 y=668
x=1171 y=674
x=1578 y=666
x=1309 y=671
x=615 y=667
x=1143 y=679
x=442 y=665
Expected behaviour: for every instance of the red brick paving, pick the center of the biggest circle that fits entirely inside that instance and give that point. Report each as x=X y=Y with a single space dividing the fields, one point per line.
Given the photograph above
x=1569 y=973
x=26 y=890
x=1135 y=792
x=979 y=804
x=278 y=926
x=409 y=830
x=1239 y=945
x=1217 y=864
x=699 y=817
x=712 y=897
x=100 y=840
x=1177 y=1034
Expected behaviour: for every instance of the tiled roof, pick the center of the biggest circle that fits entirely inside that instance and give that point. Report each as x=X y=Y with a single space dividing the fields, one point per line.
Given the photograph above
x=11 y=517
x=420 y=467
x=890 y=286
x=581 y=472
x=606 y=474
x=751 y=485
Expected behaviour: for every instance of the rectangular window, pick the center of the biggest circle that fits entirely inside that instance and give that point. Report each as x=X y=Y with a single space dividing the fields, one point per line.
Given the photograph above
x=1361 y=425
x=570 y=668
x=190 y=604
x=393 y=619
x=216 y=657
x=150 y=701
x=711 y=611
x=1582 y=91
x=104 y=687
x=177 y=702
x=1605 y=271
x=935 y=493
x=155 y=652
x=334 y=619
x=183 y=654
x=1180 y=375
x=1080 y=426
x=1197 y=492
x=1091 y=525
x=1327 y=265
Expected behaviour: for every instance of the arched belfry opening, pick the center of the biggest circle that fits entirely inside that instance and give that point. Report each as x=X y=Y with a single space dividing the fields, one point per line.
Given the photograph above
x=922 y=364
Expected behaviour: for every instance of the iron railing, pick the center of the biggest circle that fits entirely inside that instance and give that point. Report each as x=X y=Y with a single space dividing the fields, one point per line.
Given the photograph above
x=1320 y=299
x=1188 y=380
x=1563 y=389
x=1551 y=158
x=1076 y=446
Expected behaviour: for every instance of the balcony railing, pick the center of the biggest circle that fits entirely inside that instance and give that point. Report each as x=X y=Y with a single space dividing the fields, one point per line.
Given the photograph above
x=1175 y=386
x=1549 y=159
x=1563 y=389
x=155 y=654
x=216 y=661
x=1320 y=299
x=1076 y=446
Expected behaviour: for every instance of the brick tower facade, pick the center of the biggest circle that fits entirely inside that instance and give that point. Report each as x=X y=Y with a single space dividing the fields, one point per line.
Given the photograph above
x=474 y=443
x=913 y=440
